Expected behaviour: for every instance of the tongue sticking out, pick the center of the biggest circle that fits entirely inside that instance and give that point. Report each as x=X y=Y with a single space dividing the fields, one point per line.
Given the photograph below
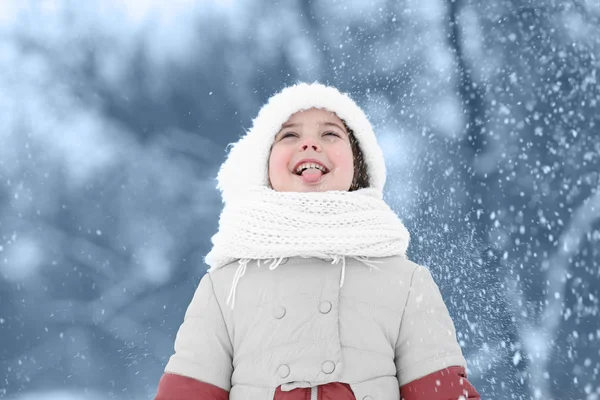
x=311 y=175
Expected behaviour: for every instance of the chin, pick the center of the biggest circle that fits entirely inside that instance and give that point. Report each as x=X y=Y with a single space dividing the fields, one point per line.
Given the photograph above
x=294 y=184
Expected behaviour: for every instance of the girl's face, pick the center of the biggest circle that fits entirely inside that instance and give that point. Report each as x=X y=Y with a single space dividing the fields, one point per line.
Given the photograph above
x=311 y=153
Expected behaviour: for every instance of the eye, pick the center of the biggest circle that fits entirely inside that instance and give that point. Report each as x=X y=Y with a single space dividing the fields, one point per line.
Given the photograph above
x=331 y=133
x=288 y=134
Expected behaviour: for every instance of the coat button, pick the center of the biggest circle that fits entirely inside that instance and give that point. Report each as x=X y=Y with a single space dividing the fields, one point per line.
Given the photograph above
x=283 y=371
x=325 y=307
x=328 y=367
x=279 y=312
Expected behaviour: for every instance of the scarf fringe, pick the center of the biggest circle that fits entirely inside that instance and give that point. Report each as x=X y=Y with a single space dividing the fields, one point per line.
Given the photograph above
x=276 y=262
x=236 y=278
x=315 y=225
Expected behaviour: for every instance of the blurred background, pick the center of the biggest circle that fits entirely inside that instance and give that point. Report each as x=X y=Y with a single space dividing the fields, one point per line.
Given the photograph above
x=115 y=115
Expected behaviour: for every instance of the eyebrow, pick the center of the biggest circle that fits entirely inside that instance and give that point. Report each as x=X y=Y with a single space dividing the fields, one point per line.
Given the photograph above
x=288 y=125
x=334 y=124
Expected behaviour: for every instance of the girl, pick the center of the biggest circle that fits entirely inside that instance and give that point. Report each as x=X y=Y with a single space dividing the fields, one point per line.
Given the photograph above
x=309 y=294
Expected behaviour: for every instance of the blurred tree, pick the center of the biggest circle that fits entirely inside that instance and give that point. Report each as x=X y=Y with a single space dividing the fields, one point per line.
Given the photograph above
x=117 y=115
x=531 y=104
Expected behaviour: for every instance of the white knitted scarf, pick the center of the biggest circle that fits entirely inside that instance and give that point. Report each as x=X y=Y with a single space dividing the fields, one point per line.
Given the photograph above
x=269 y=225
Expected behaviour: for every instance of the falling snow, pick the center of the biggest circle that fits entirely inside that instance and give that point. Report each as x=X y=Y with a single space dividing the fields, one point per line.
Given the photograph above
x=115 y=116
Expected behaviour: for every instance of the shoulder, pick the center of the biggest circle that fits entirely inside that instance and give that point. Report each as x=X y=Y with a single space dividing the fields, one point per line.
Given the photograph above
x=418 y=274
x=399 y=266
x=384 y=281
x=223 y=273
x=221 y=280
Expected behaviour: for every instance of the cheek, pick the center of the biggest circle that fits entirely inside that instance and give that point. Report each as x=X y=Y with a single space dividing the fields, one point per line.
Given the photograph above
x=278 y=161
x=343 y=159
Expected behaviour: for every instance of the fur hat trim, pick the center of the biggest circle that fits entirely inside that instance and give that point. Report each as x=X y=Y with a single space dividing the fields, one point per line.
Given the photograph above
x=247 y=162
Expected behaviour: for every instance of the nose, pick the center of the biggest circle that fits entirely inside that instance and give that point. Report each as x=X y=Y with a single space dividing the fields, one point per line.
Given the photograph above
x=310 y=142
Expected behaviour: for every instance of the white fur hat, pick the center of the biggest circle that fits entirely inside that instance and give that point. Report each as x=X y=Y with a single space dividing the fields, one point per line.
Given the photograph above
x=241 y=171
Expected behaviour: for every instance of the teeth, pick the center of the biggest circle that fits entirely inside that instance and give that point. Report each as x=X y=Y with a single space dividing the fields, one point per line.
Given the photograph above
x=309 y=165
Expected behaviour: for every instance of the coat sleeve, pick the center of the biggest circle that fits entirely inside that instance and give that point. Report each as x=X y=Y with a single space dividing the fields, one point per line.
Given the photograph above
x=427 y=338
x=447 y=384
x=203 y=351
x=179 y=387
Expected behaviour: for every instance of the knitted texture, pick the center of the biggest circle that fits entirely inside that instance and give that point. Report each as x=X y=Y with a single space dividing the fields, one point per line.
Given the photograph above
x=268 y=224
x=271 y=225
x=259 y=223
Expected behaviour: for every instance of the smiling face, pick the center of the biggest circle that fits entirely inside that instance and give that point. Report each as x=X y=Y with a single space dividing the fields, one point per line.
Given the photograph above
x=319 y=137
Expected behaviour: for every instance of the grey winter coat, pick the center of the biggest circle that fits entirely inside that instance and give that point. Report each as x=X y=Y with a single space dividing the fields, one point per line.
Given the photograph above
x=295 y=326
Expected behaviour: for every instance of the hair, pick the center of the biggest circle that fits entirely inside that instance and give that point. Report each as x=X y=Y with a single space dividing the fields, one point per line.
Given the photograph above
x=360 y=180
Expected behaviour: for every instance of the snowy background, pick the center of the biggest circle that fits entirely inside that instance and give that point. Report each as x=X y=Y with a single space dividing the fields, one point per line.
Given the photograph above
x=114 y=117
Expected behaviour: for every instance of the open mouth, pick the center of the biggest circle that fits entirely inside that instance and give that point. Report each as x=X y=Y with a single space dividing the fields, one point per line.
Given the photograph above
x=311 y=173
x=311 y=168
